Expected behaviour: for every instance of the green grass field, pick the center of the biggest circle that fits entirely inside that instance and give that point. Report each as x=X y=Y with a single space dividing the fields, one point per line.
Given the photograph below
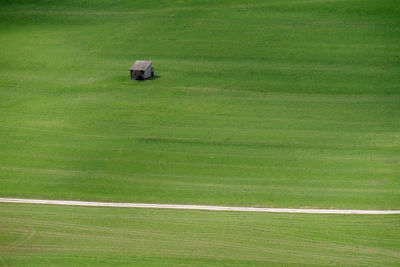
x=273 y=103
x=70 y=236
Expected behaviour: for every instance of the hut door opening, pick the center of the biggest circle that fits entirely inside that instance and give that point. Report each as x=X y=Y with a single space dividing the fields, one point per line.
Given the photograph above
x=137 y=75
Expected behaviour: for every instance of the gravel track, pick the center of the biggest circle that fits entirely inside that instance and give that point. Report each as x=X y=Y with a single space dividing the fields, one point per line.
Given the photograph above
x=192 y=207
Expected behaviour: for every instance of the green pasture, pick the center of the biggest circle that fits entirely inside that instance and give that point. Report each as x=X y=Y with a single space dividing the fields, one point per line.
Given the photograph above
x=76 y=236
x=260 y=103
x=270 y=103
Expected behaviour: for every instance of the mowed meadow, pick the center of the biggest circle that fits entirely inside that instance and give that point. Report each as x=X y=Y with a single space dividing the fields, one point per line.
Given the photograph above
x=81 y=236
x=268 y=103
x=275 y=103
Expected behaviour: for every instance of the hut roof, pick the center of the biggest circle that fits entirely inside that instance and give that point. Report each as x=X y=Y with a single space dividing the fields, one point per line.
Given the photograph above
x=141 y=65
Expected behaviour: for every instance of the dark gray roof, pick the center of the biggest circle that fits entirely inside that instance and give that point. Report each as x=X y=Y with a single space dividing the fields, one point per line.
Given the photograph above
x=141 y=65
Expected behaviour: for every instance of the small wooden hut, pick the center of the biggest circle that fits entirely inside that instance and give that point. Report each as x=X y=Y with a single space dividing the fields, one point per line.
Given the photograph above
x=141 y=70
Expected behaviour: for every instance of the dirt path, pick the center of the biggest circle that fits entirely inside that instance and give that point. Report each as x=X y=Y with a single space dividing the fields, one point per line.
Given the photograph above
x=192 y=207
